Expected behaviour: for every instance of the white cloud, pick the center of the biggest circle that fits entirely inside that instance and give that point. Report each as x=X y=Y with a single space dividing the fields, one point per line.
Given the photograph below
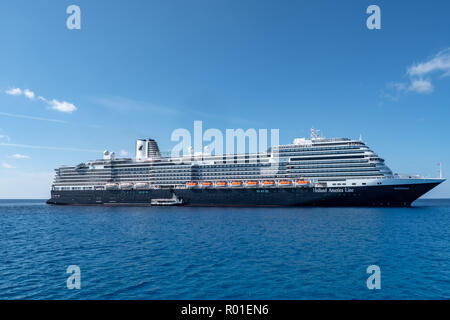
x=14 y=92
x=62 y=106
x=7 y=166
x=416 y=73
x=399 y=86
x=4 y=137
x=20 y=156
x=29 y=94
x=123 y=153
x=439 y=62
x=421 y=86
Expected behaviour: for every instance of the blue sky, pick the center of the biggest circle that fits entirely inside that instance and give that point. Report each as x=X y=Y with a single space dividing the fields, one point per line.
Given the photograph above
x=140 y=69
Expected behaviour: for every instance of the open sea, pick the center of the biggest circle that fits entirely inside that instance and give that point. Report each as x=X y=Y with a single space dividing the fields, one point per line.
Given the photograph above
x=224 y=253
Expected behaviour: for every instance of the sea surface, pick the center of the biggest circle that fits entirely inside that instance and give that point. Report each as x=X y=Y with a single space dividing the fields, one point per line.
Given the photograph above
x=224 y=253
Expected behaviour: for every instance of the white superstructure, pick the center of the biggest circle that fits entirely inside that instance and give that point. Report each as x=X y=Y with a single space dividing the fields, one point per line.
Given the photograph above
x=326 y=162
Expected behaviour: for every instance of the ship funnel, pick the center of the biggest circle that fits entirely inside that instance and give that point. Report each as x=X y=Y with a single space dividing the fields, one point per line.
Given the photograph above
x=153 y=149
x=140 y=149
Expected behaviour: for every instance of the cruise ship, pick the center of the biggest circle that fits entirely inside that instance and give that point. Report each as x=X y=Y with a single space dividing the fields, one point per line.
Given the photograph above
x=309 y=172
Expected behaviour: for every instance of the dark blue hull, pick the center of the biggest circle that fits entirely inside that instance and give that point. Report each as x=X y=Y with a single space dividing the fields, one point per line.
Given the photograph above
x=386 y=195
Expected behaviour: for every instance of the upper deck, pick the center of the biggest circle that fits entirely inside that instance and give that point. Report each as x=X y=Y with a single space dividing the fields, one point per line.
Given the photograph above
x=316 y=160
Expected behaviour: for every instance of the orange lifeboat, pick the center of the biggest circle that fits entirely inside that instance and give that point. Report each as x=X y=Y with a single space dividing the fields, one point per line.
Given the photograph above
x=236 y=183
x=302 y=182
x=192 y=184
x=252 y=183
x=221 y=184
x=268 y=183
x=206 y=184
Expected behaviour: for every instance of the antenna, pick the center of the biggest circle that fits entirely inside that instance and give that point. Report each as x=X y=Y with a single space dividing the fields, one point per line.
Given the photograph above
x=315 y=134
x=360 y=137
x=440 y=170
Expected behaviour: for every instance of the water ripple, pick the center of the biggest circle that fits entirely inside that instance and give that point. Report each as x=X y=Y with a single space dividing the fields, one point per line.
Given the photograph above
x=224 y=253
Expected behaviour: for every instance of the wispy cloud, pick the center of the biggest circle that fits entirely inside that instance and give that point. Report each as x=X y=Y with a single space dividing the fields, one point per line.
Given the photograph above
x=29 y=94
x=4 y=137
x=394 y=90
x=6 y=165
x=17 y=92
x=421 y=86
x=61 y=106
x=14 y=92
x=20 y=156
x=420 y=76
x=4 y=144
x=227 y=118
x=439 y=62
x=13 y=115
x=122 y=104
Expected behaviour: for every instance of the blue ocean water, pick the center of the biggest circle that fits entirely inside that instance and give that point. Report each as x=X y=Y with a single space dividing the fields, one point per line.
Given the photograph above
x=224 y=253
